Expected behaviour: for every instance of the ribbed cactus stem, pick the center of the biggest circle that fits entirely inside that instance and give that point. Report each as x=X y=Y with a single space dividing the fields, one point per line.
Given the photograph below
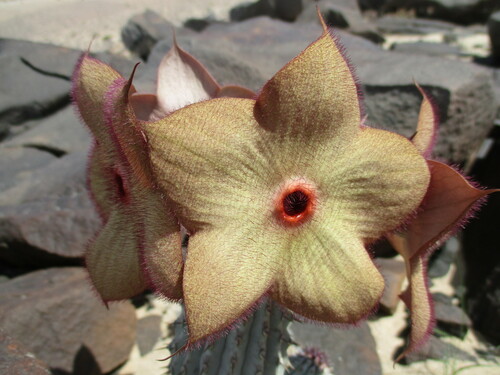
x=260 y=345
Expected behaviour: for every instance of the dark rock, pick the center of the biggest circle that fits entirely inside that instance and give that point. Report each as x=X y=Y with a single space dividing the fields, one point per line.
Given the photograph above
x=55 y=315
x=394 y=273
x=450 y=318
x=343 y=15
x=350 y=351
x=435 y=348
x=486 y=308
x=377 y=5
x=286 y=10
x=17 y=360
x=308 y=361
x=464 y=11
x=494 y=33
x=480 y=245
x=59 y=134
x=50 y=217
x=427 y=48
x=198 y=24
x=462 y=92
x=143 y=31
x=148 y=333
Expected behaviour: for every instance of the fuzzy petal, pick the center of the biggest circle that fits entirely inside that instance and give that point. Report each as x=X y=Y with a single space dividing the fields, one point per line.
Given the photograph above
x=183 y=80
x=112 y=259
x=91 y=80
x=100 y=172
x=372 y=189
x=312 y=98
x=418 y=300
x=226 y=273
x=425 y=136
x=328 y=275
x=145 y=107
x=205 y=159
x=447 y=203
x=232 y=91
x=156 y=225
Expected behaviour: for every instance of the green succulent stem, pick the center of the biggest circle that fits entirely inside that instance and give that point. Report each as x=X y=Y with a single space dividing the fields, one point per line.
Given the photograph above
x=259 y=345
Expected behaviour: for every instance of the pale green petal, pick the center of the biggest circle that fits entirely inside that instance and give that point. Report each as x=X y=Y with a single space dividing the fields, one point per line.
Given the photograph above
x=427 y=127
x=159 y=231
x=327 y=274
x=312 y=100
x=226 y=273
x=375 y=185
x=112 y=259
x=91 y=79
x=206 y=157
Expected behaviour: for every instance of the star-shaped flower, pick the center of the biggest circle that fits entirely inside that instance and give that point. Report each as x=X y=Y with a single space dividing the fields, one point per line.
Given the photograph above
x=450 y=200
x=139 y=245
x=282 y=195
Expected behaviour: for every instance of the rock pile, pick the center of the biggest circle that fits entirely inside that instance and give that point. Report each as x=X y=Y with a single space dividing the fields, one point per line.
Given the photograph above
x=52 y=321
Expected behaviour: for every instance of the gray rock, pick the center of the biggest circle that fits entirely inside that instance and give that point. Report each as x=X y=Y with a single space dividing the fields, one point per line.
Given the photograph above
x=36 y=79
x=450 y=318
x=348 y=351
x=25 y=93
x=435 y=348
x=263 y=44
x=17 y=360
x=59 y=134
x=56 y=316
x=50 y=60
x=443 y=258
x=390 y=24
x=394 y=273
x=287 y=10
x=344 y=15
x=148 y=333
x=426 y=48
x=17 y=162
x=48 y=217
x=494 y=33
x=143 y=31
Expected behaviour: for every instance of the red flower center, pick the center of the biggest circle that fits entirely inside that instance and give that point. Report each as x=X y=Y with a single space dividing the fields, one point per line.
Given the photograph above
x=296 y=203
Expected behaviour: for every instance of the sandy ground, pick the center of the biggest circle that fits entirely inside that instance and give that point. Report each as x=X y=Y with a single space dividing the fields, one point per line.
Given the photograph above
x=74 y=23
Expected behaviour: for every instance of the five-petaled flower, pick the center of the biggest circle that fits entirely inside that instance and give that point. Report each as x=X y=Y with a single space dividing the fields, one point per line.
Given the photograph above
x=282 y=193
